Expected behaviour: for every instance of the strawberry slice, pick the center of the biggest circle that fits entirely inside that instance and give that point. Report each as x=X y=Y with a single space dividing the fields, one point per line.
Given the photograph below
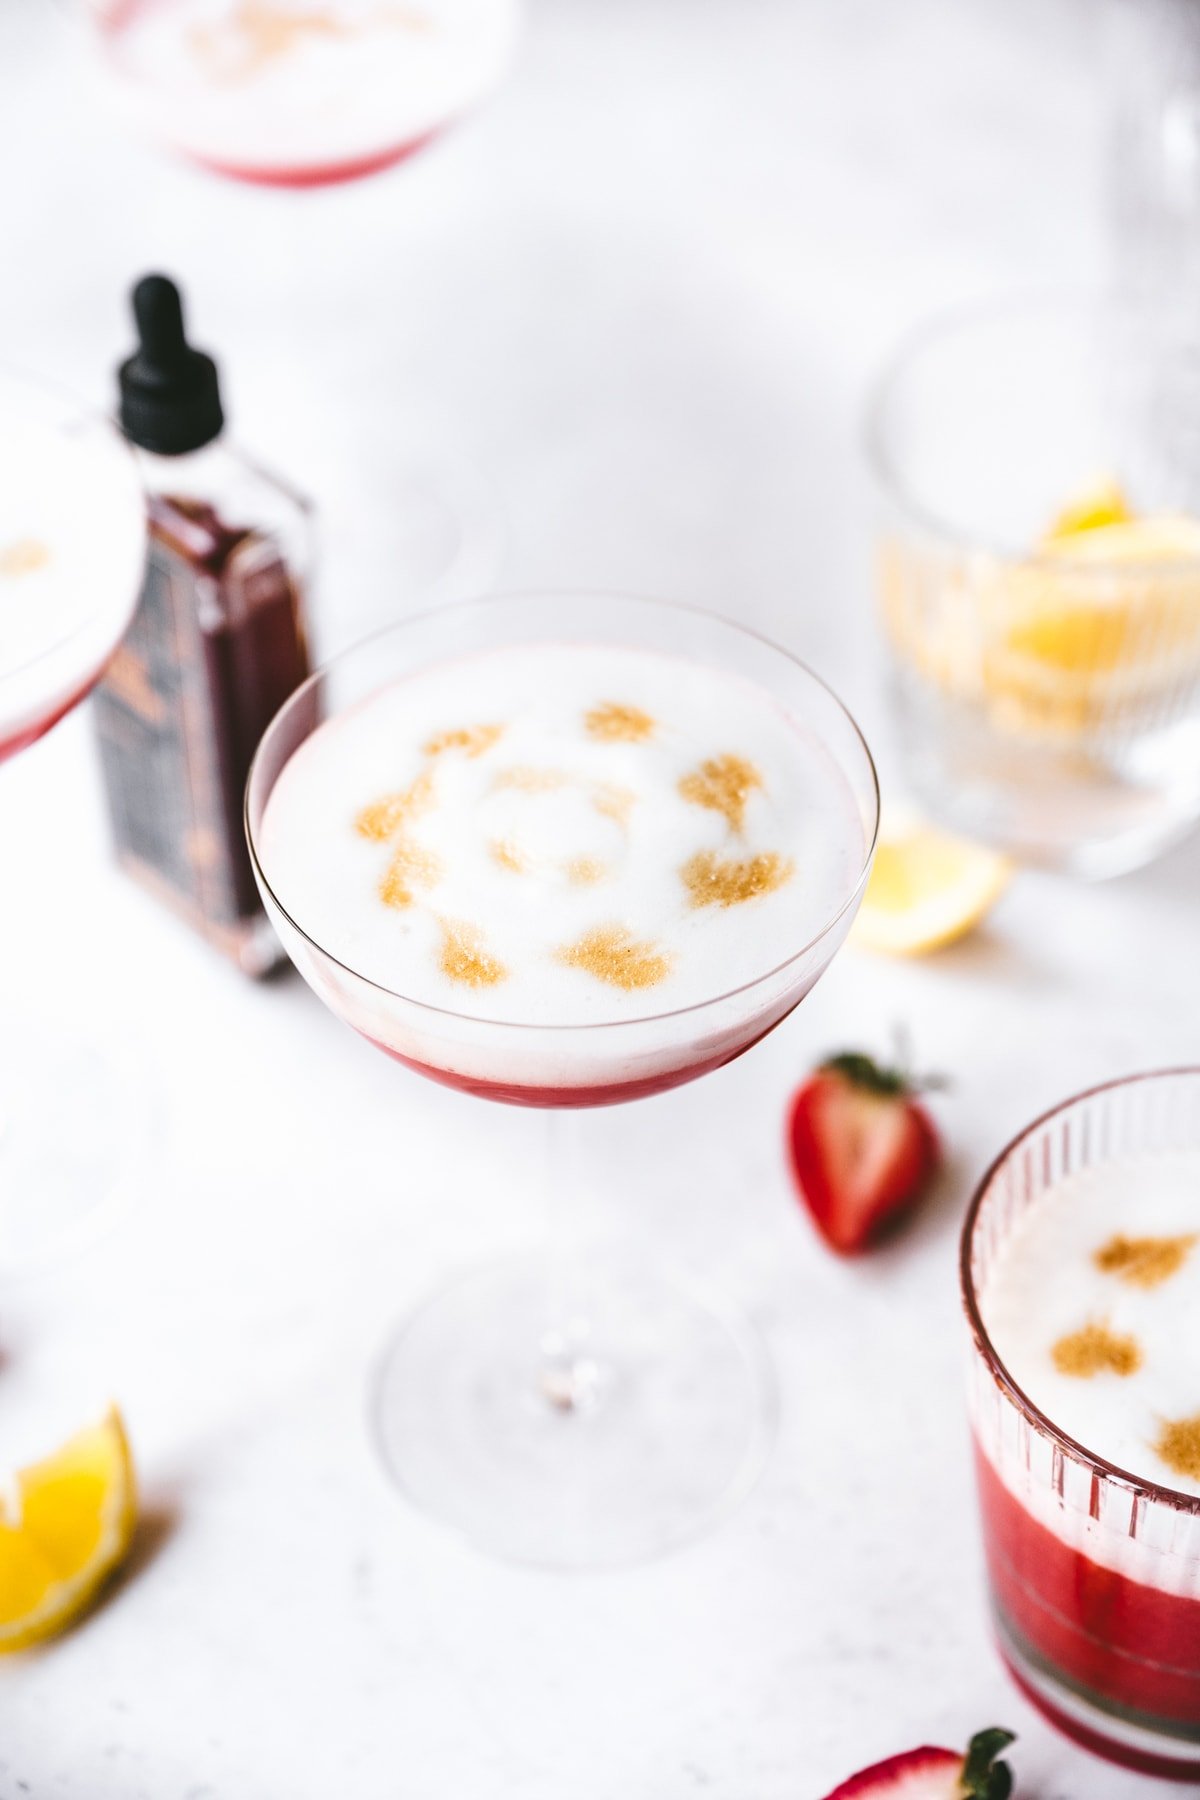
x=862 y=1148
x=929 y=1774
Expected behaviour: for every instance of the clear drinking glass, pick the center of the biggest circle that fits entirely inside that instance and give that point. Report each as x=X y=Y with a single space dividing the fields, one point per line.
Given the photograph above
x=563 y=1409
x=1152 y=65
x=1094 y=1572
x=72 y=551
x=1047 y=703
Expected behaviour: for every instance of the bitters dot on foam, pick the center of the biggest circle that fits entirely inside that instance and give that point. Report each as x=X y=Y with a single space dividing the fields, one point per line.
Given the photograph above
x=411 y=867
x=464 y=958
x=506 y=856
x=613 y=723
x=25 y=557
x=382 y=819
x=712 y=880
x=723 y=785
x=1095 y=1350
x=472 y=740
x=613 y=955
x=585 y=871
x=1144 y=1262
x=1178 y=1445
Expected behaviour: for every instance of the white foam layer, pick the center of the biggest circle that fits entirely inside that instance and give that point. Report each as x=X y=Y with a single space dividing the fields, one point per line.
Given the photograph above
x=510 y=830
x=72 y=544
x=279 y=85
x=1044 y=1284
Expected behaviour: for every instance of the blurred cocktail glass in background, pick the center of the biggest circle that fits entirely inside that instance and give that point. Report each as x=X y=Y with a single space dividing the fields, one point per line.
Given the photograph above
x=72 y=542
x=1038 y=470
x=299 y=93
x=72 y=548
x=1152 y=191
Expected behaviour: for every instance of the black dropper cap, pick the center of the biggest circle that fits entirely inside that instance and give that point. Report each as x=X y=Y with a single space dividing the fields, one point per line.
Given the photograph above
x=170 y=395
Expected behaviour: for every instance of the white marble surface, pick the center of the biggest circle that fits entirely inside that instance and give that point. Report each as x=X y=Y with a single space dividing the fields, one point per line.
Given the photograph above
x=644 y=291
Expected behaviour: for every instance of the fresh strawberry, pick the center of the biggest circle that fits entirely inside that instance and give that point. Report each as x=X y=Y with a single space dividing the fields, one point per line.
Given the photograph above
x=929 y=1774
x=862 y=1148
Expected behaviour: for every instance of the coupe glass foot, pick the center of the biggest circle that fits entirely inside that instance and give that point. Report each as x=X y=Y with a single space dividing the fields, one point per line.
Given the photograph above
x=636 y=1423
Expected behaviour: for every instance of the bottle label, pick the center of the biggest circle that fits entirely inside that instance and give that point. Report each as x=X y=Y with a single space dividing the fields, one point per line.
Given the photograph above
x=160 y=753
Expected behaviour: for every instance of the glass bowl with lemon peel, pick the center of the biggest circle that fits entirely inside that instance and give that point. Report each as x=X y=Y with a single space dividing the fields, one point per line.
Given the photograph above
x=1038 y=575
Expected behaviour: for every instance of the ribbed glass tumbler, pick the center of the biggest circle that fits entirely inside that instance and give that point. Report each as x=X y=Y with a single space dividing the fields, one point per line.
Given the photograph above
x=1094 y=1573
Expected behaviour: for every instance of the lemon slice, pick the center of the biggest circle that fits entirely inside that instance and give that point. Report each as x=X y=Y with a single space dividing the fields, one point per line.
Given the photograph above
x=1109 y=617
x=1156 y=538
x=65 y=1524
x=926 y=890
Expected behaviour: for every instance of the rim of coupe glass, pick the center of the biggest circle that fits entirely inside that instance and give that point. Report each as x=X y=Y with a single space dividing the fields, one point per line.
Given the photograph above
x=85 y=415
x=508 y=1025
x=1152 y=1490
x=948 y=321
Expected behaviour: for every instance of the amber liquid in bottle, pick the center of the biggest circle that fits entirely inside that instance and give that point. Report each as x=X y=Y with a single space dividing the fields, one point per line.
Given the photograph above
x=217 y=645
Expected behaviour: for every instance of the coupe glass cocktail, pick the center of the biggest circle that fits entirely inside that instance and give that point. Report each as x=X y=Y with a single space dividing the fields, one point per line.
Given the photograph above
x=72 y=549
x=1094 y=1559
x=610 y=844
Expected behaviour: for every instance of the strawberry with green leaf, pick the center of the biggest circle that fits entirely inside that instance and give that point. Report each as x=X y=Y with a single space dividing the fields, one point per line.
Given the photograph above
x=862 y=1148
x=930 y=1774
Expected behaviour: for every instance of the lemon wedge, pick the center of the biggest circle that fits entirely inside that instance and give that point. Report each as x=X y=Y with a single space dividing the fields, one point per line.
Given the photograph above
x=1103 y=503
x=65 y=1525
x=927 y=889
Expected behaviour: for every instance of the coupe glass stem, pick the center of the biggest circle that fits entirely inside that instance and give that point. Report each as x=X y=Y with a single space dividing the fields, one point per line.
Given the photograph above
x=570 y=1376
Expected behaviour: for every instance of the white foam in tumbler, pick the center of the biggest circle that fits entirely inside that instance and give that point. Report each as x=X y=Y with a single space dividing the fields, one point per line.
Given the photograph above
x=1093 y=1305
